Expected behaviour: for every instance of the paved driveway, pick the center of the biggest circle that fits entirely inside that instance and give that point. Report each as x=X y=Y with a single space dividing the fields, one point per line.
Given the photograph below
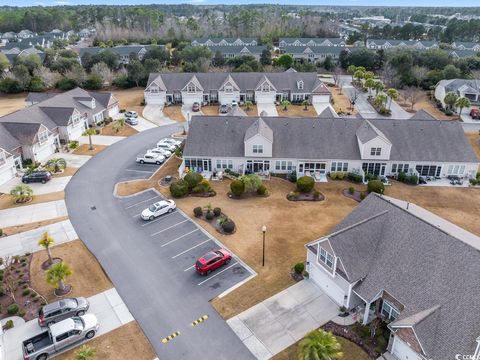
x=54 y=185
x=73 y=160
x=160 y=291
x=32 y=213
x=280 y=321
x=270 y=109
x=155 y=114
x=101 y=139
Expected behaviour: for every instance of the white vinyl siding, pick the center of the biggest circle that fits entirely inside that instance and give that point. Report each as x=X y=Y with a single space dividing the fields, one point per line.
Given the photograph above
x=326 y=258
x=258 y=149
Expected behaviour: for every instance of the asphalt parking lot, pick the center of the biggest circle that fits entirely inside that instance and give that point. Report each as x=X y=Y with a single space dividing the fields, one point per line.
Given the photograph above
x=178 y=240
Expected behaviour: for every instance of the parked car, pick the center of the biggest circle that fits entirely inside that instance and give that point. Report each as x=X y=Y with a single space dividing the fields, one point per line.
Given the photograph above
x=150 y=158
x=157 y=209
x=171 y=141
x=196 y=107
x=234 y=103
x=212 y=261
x=131 y=120
x=37 y=176
x=61 y=310
x=131 y=114
x=165 y=145
x=160 y=151
x=224 y=109
x=59 y=336
x=475 y=114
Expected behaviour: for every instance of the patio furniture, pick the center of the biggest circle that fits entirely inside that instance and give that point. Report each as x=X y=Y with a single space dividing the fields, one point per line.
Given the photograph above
x=318 y=176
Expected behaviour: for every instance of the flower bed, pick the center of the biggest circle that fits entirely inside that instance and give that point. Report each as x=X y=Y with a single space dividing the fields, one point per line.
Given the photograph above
x=299 y=196
x=215 y=217
x=381 y=110
x=356 y=195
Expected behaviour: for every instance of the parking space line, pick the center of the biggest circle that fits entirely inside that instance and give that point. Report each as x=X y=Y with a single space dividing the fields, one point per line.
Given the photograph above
x=193 y=247
x=189 y=268
x=211 y=277
x=140 y=171
x=159 y=218
x=178 y=238
x=136 y=215
x=141 y=202
x=159 y=232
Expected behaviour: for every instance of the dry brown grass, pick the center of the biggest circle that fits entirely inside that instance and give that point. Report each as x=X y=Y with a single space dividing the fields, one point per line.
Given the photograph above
x=125 y=130
x=425 y=104
x=341 y=101
x=130 y=99
x=68 y=171
x=350 y=351
x=253 y=111
x=6 y=201
x=11 y=102
x=174 y=112
x=88 y=277
x=127 y=340
x=83 y=149
x=211 y=110
x=12 y=230
x=297 y=111
x=474 y=140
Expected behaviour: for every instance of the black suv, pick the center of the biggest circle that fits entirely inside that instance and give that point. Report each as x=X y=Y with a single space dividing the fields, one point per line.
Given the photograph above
x=37 y=176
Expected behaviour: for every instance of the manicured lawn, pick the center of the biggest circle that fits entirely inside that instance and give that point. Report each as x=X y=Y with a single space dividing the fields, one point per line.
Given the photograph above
x=297 y=111
x=83 y=149
x=6 y=201
x=351 y=351
x=174 y=112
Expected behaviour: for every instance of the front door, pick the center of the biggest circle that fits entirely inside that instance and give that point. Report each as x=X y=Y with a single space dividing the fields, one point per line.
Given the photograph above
x=206 y=165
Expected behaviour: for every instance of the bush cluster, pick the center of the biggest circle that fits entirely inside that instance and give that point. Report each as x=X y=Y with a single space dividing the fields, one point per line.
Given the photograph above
x=217 y=211
x=354 y=177
x=305 y=184
x=198 y=211
x=179 y=188
x=228 y=226
x=12 y=309
x=407 y=179
x=237 y=187
x=262 y=190
x=375 y=186
x=192 y=179
x=338 y=175
x=232 y=173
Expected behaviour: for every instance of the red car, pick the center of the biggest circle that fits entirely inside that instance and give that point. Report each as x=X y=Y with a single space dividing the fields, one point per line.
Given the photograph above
x=196 y=107
x=212 y=261
x=475 y=113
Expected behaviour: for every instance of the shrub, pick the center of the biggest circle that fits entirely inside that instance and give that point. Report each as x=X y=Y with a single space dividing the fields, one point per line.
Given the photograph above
x=472 y=182
x=21 y=313
x=362 y=196
x=178 y=152
x=221 y=220
x=305 y=184
x=293 y=195
x=209 y=215
x=369 y=177
x=66 y=84
x=262 y=190
x=217 y=211
x=237 y=187
x=251 y=182
x=354 y=177
x=179 y=188
x=37 y=299
x=401 y=176
x=292 y=176
x=193 y=179
x=1 y=232
x=375 y=186
x=9 y=324
x=333 y=175
x=299 y=267
x=72 y=145
x=26 y=292
x=232 y=173
x=198 y=211
x=12 y=309
x=316 y=194
x=351 y=190
x=228 y=226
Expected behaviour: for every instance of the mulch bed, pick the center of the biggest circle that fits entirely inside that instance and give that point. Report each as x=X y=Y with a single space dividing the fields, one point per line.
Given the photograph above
x=166 y=182
x=61 y=293
x=203 y=195
x=306 y=197
x=215 y=224
x=24 y=201
x=355 y=196
x=372 y=102
x=19 y=277
x=46 y=264
x=246 y=195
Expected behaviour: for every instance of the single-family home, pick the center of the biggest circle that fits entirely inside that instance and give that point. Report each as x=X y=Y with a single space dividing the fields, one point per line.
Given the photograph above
x=124 y=52
x=462 y=54
x=24 y=34
x=86 y=33
x=396 y=261
x=225 y=42
x=464 y=45
x=230 y=52
x=10 y=155
x=462 y=87
x=385 y=44
x=318 y=146
x=315 y=54
x=266 y=88
x=311 y=42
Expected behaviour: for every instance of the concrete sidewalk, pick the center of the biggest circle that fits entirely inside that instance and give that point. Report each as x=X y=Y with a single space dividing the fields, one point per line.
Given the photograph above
x=280 y=321
x=107 y=306
x=54 y=185
x=21 y=243
x=73 y=160
x=101 y=139
x=32 y=213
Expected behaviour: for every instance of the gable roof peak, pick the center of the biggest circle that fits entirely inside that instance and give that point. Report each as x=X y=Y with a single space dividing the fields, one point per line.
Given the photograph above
x=259 y=127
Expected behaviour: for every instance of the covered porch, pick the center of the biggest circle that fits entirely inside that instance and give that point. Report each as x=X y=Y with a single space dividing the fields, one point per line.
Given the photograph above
x=315 y=169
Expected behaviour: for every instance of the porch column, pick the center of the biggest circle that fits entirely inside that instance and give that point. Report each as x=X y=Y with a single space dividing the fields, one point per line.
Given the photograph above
x=367 y=312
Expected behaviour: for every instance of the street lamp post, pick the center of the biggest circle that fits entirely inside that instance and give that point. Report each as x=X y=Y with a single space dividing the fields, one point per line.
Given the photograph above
x=264 y=230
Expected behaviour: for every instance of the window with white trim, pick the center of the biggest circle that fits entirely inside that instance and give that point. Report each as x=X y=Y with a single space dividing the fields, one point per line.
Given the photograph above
x=283 y=165
x=339 y=166
x=258 y=149
x=43 y=136
x=374 y=151
x=191 y=88
x=389 y=311
x=300 y=84
x=229 y=89
x=76 y=119
x=224 y=164
x=326 y=258
x=265 y=87
x=456 y=169
x=397 y=168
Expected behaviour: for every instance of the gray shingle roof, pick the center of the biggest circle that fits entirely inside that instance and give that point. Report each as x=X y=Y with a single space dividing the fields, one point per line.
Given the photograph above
x=228 y=49
x=25 y=133
x=120 y=50
x=419 y=264
x=35 y=97
x=318 y=50
x=316 y=40
x=455 y=84
x=7 y=141
x=259 y=127
x=334 y=138
x=423 y=115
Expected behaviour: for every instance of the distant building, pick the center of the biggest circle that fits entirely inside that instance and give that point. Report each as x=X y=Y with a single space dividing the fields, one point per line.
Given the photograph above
x=462 y=87
x=377 y=44
x=225 y=41
x=314 y=54
x=230 y=52
x=311 y=42
x=461 y=45
x=125 y=52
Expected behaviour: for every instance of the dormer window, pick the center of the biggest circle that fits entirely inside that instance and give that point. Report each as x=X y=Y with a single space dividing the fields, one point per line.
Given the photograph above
x=389 y=311
x=93 y=104
x=300 y=84
x=75 y=119
x=258 y=149
x=326 y=258
x=191 y=88
x=374 y=151
x=229 y=89
x=265 y=87
x=43 y=136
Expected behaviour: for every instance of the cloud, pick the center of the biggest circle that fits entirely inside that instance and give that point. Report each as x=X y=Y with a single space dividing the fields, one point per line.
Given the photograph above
x=61 y=2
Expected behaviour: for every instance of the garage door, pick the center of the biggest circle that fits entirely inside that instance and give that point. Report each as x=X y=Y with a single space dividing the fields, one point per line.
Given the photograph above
x=228 y=98
x=113 y=111
x=327 y=284
x=403 y=352
x=45 y=152
x=320 y=99
x=264 y=98
x=189 y=99
x=155 y=99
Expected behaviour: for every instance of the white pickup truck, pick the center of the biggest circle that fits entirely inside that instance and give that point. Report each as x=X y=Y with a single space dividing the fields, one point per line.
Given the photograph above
x=150 y=158
x=59 y=336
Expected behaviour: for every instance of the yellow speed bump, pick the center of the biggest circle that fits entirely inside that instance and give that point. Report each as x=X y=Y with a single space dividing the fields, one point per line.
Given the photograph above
x=170 y=337
x=200 y=320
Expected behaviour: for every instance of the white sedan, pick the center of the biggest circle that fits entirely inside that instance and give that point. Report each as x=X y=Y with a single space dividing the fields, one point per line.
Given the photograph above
x=150 y=158
x=171 y=141
x=167 y=146
x=157 y=209
x=163 y=152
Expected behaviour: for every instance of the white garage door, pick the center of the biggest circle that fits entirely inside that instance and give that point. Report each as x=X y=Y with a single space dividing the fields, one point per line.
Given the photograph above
x=155 y=99
x=113 y=111
x=228 y=98
x=264 y=98
x=45 y=152
x=189 y=99
x=320 y=99
x=327 y=284
x=403 y=352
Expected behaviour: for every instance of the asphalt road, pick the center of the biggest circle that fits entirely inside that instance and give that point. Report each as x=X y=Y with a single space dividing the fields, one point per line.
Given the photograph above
x=161 y=296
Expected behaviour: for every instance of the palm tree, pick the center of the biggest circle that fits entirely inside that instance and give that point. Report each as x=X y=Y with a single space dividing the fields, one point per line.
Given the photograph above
x=351 y=70
x=21 y=193
x=305 y=104
x=378 y=87
x=369 y=84
x=359 y=74
x=319 y=345
x=89 y=132
x=248 y=105
x=368 y=75
x=57 y=274
x=462 y=103
x=380 y=100
x=46 y=241
x=85 y=353
x=57 y=164
x=393 y=95
x=450 y=99
x=285 y=104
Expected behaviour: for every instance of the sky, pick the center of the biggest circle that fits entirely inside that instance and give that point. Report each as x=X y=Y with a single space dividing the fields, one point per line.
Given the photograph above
x=232 y=2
